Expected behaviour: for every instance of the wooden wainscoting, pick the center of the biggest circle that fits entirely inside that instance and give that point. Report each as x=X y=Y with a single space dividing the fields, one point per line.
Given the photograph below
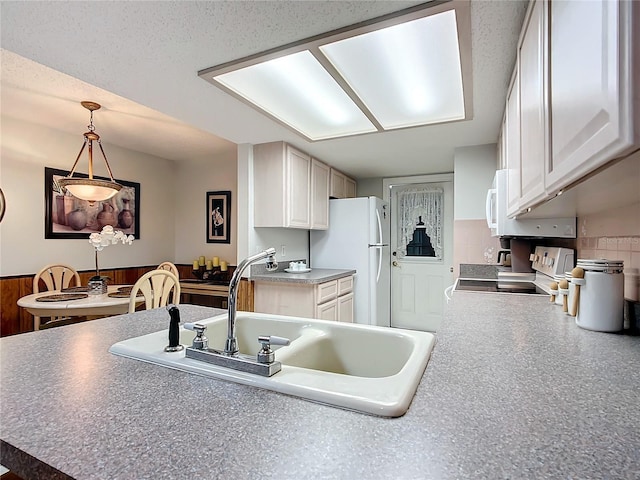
x=14 y=319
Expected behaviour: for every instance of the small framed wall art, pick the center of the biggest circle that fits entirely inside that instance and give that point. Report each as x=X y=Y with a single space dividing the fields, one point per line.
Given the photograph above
x=219 y=217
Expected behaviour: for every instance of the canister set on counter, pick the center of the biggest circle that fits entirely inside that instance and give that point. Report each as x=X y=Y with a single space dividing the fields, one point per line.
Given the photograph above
x=594 y=293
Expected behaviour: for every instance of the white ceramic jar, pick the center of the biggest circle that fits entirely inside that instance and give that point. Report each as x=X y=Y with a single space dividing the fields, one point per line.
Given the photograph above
x=601 y=297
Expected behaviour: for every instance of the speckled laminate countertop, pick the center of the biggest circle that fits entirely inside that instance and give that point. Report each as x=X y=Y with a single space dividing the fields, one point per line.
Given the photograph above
x=513 y=390
x=315 y=276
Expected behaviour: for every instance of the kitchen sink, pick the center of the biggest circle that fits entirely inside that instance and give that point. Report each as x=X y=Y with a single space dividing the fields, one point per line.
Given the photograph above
x=369 y=369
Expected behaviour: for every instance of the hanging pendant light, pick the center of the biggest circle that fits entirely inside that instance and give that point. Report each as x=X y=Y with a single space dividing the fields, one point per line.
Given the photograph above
x=90 y=189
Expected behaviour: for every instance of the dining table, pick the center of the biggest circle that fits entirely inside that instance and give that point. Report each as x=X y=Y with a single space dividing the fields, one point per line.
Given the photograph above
x=74 y=302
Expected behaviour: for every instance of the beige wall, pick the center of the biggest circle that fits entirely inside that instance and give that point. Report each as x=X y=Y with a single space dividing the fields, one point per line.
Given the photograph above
x=191 y=184
x=473 y=243
x=172 y=204
x=474 y=169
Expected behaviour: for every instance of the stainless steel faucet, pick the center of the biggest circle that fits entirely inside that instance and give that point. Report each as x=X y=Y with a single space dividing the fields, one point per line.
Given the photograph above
x=231 y=345
x=264 y=363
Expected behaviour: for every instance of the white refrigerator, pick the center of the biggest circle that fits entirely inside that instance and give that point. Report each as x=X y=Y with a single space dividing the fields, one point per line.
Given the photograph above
x=358 y=238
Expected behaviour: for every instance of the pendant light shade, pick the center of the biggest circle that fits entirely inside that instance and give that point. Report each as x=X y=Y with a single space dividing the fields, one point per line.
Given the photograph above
x=90 y=189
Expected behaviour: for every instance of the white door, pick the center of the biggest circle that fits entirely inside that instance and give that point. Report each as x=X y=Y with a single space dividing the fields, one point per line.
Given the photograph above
x=421 y=250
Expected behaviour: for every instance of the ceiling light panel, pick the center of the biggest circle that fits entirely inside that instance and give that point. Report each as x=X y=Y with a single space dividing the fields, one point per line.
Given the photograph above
x=298 y=91
x=408 y=74
x=405 y=69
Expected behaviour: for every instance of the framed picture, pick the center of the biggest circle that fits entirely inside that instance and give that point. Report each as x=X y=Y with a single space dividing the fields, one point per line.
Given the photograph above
x=219 y=217
x=66 y=216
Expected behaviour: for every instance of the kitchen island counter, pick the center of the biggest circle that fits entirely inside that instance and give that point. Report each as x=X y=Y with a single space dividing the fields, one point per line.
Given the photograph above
x=513 y=390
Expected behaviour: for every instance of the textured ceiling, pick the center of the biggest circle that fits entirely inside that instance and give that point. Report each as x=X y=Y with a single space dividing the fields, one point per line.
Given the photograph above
x=140 y=61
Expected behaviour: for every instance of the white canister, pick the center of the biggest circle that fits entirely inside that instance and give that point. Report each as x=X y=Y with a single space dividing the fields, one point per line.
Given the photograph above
x=601 y=298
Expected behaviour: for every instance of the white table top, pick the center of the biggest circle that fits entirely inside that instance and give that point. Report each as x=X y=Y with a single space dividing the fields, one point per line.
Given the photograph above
x=92 y=305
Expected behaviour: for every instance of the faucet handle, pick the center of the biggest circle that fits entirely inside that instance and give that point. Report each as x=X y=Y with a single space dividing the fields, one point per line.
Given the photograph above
x=200 y=342
x=266 y=355
x=273 y=340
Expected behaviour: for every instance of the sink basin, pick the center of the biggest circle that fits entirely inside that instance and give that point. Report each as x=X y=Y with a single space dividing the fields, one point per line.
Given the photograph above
x=369 y=369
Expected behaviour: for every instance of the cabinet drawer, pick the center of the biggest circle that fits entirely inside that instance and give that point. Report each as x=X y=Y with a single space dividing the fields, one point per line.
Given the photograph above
x=326 y=291
x=345 y=285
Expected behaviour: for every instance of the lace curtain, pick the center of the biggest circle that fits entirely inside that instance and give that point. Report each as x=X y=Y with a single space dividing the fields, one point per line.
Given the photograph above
x=426 y=202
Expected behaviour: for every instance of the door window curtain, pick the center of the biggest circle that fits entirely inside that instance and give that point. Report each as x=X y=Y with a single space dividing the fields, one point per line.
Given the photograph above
x=420 y=201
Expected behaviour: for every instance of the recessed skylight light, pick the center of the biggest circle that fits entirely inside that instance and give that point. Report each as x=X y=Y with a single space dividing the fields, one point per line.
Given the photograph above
x=300 y=92
x=402 y=70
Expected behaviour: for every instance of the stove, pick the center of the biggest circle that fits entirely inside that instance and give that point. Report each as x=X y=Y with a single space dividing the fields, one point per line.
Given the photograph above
x=549 y=265
x=499 y=286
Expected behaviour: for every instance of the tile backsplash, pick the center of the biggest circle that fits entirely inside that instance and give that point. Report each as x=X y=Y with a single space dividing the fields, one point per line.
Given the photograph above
x=614 y=235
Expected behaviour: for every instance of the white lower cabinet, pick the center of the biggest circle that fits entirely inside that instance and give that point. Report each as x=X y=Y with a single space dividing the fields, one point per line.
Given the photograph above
x=332 y=300
x=327 y=311
x=345 y=308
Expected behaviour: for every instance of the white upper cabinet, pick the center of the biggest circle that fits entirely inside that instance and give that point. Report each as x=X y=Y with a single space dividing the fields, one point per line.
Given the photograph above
x=577 y=106
x=291 y=189
x=281 y=186
x=591 y=87
x=341 y=185
x=319 y=195
x=533 y=104
x=511 y=147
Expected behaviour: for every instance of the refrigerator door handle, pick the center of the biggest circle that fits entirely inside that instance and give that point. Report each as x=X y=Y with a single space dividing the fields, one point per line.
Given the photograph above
x=380 y=239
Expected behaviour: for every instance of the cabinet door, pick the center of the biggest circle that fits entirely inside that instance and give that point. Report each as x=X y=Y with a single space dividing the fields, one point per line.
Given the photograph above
x=345 y=308
x=533 y=104
x=591 y=87
x=512 y=146
x=282 y=298
x=327 y=311
x=337 y=184
x=298 y=189
x=349 y=187
x=319 y=195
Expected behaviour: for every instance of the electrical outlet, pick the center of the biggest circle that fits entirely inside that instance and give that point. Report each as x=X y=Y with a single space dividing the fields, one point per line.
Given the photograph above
x=283 y=247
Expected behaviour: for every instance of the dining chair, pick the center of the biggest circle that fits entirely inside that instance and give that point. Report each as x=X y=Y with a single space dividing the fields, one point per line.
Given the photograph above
x=158 y=287
x=54 y=277
x=170 y=267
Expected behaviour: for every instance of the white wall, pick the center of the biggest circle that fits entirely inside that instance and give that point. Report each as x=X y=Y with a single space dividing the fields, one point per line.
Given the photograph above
x=474 y=169
x=191 y=184
x=26 y=148
x=370 y=187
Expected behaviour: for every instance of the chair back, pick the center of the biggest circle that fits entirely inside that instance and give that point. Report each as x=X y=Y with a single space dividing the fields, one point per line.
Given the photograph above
x=55 y=277
x=170 y=267
x=158 y=287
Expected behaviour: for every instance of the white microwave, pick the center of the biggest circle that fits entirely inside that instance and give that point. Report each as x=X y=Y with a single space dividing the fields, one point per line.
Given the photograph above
x=503 y=226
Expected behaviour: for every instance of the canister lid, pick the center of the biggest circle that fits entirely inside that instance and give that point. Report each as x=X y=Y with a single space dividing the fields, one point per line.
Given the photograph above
x=601 y=265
